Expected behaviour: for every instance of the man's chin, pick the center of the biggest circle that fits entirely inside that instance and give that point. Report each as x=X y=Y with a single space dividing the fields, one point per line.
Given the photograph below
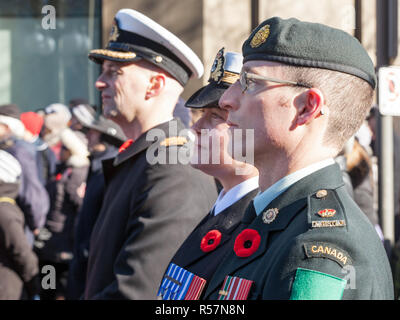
x=205 y=168
x=109 y=112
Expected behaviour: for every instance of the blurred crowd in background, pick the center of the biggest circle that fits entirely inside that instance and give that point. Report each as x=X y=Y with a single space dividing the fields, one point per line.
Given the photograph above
x=51 y=190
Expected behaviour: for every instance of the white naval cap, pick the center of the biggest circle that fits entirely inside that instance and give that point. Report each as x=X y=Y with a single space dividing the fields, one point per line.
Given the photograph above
x=134 y=36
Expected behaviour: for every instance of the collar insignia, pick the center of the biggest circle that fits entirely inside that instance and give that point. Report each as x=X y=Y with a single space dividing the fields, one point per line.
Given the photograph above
x=270 y=215
x=260 y=37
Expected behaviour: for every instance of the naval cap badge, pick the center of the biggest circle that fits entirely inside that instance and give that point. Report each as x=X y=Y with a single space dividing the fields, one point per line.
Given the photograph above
x=217 y=69
x=270 y=215
x=114 y=33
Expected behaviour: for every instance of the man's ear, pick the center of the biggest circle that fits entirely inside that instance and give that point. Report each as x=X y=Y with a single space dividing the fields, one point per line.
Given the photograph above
x=157 y=84
x=309 y=106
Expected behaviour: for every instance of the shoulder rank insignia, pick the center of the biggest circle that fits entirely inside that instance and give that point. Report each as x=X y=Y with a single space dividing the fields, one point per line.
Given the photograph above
x=174 y=141
x=326 y=213
x=235 y=288
x=260 y=37
x=114 y=34
x=328 y=224
x=180 y=284
x=327 y=250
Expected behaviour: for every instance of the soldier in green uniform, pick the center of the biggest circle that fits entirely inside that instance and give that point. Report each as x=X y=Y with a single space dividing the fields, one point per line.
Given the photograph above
x=305 y=89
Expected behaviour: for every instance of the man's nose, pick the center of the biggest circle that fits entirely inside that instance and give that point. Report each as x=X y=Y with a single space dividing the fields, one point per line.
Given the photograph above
x=100 y=83
x=228 y=100
x=196 y=127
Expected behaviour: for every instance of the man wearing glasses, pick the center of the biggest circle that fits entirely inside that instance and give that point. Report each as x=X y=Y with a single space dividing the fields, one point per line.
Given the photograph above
x=202 y=252
x=304 y=89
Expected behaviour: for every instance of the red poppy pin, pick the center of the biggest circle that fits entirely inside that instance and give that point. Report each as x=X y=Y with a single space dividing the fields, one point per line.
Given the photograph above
x=246 y=243
x=125 y=145
x=210 y=241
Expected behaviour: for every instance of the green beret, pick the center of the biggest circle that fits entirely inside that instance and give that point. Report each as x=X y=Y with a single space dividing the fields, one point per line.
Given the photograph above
x=308 y=44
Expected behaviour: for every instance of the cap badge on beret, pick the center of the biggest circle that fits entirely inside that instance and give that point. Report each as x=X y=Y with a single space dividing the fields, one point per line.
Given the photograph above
x=114 y=34
x=260 y=37
x=217 y=68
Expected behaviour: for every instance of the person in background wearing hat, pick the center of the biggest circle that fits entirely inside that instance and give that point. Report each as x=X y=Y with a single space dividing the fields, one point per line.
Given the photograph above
x=18 y=264
x=206 y=246
x=305 y=89
x=76 y=102
x=46 y=159
x=33 y=198
x=148 y=208
x=56 y=120
x=54 y=243
x=104 y=138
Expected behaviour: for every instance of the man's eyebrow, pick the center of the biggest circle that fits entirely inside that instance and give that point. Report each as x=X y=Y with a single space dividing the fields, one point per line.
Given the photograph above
x=111 y=67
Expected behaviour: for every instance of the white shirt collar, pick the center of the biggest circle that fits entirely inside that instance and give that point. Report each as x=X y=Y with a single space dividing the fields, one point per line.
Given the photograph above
x=225 y=200
x=262 y=200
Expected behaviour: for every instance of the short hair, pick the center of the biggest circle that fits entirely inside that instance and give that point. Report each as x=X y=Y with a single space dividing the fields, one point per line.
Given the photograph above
x=348 y=98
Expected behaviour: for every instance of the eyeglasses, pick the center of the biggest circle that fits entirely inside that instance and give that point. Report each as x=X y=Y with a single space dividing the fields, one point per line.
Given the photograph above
x=245 y=77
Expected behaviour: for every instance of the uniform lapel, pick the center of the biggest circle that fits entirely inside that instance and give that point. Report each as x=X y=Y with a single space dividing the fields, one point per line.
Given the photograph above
x=226 y=222
x=169 y=128
x=289 y=204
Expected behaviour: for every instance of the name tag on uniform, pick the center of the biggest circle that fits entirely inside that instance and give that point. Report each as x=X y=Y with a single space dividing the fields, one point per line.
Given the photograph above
x=235 y=288
x=180 y=284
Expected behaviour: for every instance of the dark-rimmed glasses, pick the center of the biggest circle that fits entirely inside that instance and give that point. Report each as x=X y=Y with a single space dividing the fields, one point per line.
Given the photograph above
x=246 y=76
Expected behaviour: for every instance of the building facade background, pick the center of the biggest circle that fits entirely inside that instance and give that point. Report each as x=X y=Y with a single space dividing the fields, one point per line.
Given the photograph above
x=39 y=66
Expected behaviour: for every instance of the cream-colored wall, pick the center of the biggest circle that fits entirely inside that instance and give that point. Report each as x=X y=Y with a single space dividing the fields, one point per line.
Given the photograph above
x=368 y=15
x=226 y=23
x=205 y=25
x=335 y=13
x=208 y=25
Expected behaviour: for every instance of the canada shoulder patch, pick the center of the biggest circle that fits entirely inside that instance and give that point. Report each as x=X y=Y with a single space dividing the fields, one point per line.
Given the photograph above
x=318 y=249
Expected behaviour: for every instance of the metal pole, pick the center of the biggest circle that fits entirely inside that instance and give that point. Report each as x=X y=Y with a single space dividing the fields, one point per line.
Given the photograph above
x=255 y=18
x=385 y=136
x=387 y=183
x=358 y=31
x=91 y=69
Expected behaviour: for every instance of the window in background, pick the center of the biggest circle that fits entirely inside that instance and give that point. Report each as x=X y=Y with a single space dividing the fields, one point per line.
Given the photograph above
x=39 y=66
